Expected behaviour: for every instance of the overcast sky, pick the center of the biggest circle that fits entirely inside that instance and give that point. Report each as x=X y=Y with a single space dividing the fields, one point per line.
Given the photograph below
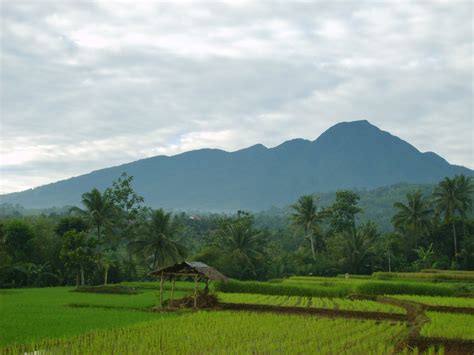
x=91 y=84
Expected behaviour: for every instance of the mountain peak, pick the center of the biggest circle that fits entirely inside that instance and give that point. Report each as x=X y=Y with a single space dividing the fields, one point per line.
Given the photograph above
x=348 y=155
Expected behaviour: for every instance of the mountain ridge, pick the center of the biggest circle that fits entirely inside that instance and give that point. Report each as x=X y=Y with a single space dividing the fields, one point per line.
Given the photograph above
x=353 y=154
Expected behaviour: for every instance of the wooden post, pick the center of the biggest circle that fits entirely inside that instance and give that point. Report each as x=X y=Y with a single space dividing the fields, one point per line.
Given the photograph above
x=161 y=292
x=195 y=290
x=172 y=290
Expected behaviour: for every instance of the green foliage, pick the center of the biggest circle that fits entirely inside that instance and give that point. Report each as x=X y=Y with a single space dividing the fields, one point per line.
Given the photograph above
x=307 y=217
x=414 y=217
x=159 y=243
x=69 y=223
x=17 y=240
x=78 y=252
x=344 y=210
x=358 y=248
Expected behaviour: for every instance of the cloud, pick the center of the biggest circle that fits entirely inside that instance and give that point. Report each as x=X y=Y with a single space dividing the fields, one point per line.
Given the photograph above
x=86 y=85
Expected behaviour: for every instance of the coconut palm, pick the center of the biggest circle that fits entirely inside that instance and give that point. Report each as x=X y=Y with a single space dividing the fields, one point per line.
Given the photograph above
x=158 y=241
x=451 y=197
x=358 y=247
x=415 y=216
x=242 y=243
x=306 y=216
x=98 y=208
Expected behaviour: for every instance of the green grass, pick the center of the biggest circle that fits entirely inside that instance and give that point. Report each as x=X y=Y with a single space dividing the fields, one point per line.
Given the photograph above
x=236 y=333
x=29 y=315
x=440 y=301
x=312 y=302
x=449 y=325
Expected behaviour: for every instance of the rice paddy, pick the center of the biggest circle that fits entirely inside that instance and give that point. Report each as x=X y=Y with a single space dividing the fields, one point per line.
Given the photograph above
x=61 y=321
x=235 y=333
x=311 y=302
x=448 y=325
x=462 y=302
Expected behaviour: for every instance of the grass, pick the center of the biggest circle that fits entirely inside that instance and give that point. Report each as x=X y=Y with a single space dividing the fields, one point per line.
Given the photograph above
x=440 y=301
x=449 y=325
x=312 y=302
x=29 y=315
x=237 y=333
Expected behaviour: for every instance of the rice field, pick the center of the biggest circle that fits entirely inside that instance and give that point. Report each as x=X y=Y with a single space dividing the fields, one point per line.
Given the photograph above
x=61 y=321
x=464 y=302
x=449 y=325
x=235 y=333
x=28 y=315
x=311 y=302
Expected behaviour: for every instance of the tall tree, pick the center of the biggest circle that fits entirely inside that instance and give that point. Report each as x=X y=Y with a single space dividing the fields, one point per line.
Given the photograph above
x=242 y=244
x=77 y=252
x=451 y=197
x=358 y=247
x=307 y=217
x=99 y=208
x=344 y=210
x=158 y=241
x=131 y=212
x=413 y=216
x=18 y=235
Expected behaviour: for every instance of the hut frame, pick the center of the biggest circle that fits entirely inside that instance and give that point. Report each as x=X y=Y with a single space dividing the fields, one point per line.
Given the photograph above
x=188 y=269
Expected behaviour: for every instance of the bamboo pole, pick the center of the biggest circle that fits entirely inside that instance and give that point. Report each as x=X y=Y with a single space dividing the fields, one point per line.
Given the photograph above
x=172 y=290
x=161 y=292
x=195 y=290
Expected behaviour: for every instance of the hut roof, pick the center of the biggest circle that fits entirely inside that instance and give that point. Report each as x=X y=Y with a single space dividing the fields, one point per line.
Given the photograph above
x=191 y=268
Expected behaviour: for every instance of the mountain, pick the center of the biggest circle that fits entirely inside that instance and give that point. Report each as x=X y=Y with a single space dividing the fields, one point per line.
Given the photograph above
x=348 y=155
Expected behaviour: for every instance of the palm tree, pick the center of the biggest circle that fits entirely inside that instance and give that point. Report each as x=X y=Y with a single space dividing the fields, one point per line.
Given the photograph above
x=414 y=216
x=99 y=208
x=158 y=241
x=453 y=196
x=358 y=247
x=241 y=241
x=306 y=216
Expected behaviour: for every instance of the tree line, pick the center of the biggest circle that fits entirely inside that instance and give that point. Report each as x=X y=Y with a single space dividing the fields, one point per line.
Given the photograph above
x=113 y=236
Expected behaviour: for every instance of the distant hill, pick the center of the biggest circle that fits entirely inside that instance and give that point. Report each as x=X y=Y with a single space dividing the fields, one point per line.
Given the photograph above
x=348 y=155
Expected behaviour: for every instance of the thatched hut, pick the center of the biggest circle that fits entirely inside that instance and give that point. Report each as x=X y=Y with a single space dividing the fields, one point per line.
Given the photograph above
x=187 y=269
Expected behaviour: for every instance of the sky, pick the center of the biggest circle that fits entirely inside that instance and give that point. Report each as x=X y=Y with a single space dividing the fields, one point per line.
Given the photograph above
x=91 y=84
